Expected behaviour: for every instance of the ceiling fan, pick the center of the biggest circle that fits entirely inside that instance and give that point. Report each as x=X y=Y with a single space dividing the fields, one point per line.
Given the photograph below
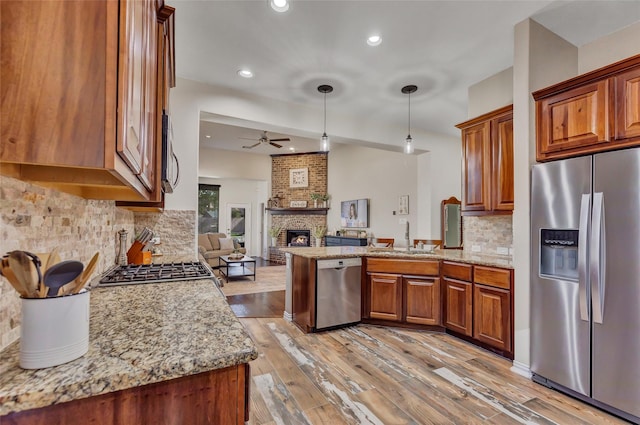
x=265 y=140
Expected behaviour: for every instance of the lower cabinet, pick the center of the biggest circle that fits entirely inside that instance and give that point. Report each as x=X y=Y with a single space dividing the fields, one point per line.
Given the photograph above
x=422 y=300
x=492 y=316
x=458 y=306
x=394 y=296
x=385 y=296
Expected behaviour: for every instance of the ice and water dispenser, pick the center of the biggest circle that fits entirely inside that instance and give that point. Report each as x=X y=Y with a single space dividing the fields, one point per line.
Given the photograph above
x=559 y=254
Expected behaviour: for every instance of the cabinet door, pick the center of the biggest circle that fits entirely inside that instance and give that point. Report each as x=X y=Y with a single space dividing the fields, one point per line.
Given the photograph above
x=502 y=163
x=458 y=306
x=422 y=300
x=627 y=105
x=385 y=296
x=476 y=169
x=492 y=316
x=573 y=121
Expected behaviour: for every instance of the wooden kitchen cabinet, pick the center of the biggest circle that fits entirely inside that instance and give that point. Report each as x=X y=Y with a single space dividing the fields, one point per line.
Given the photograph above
x=458 y=306
x=80 y=113
x=492 y=307
x=385 y=296
x=422 y=300
x=593 y=112
x=401 y=290
x=487 y=163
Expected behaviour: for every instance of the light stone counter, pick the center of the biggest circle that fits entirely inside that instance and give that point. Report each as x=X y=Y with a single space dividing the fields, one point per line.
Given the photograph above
x=461 y=256
x=139 y=334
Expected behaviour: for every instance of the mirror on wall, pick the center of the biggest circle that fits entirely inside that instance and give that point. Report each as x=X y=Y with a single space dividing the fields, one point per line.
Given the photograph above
x=451 y=212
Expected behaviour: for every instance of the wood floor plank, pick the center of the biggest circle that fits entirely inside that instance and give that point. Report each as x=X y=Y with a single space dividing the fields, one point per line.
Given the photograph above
x=376 y=375
x=326 y=414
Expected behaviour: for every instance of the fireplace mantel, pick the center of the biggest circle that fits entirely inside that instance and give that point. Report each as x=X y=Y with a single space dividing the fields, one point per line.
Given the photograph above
x=298 y=211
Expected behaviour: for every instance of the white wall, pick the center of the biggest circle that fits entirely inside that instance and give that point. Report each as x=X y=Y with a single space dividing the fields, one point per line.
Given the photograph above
x=250 y=192
x=219 y=163
x=541 y=58
x=491 y=93
x=612 y=48
x=357 y=172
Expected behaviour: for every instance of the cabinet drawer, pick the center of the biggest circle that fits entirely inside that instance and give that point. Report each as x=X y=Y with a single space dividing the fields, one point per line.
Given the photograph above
x=491 y=276
x=457 y=270
x=402 y=266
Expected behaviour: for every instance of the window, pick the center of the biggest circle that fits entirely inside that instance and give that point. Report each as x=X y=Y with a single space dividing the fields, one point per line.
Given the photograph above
x=208 y=208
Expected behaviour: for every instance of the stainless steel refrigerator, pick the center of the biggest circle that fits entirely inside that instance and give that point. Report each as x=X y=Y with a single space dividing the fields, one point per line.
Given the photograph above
x=585 y=279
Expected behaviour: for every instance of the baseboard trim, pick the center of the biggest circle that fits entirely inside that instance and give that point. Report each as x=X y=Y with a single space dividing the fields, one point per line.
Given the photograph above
x=287 y=316
x=521 y=369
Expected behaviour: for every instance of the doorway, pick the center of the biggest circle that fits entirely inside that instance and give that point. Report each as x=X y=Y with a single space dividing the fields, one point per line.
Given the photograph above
x=239 y=224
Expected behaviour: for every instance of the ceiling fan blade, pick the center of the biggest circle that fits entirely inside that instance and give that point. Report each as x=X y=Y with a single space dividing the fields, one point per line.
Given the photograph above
x=247 y=138
x=275 y=144
x=252 y=146
x=286 y=139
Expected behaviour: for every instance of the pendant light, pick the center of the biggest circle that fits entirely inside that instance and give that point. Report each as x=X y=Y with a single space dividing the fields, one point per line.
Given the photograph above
x=408 y=142
x=324 y=141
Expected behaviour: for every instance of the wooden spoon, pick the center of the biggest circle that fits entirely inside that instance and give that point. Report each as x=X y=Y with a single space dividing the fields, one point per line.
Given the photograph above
x=86 y=274
x=6 y=271
x=21 y=266
x=52 y=258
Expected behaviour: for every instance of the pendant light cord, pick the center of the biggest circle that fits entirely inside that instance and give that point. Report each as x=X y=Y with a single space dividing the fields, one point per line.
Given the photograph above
x=409 y=125
x=325 y=113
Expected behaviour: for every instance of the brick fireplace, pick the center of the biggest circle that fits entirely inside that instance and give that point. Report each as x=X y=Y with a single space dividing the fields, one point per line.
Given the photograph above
x=296 y=218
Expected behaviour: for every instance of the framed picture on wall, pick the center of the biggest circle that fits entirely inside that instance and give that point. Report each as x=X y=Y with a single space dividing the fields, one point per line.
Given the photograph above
x=299 y=177
x=403 y=205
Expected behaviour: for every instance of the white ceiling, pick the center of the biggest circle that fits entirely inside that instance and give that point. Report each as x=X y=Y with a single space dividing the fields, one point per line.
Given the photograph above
x=443 y=47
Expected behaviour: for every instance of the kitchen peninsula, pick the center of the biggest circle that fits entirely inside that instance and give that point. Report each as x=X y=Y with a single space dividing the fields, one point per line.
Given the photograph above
x=466 y=294
x=156 y=351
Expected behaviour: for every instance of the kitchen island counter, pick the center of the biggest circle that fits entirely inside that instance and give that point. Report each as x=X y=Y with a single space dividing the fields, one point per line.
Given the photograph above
x=139 y=335
x=460 y=256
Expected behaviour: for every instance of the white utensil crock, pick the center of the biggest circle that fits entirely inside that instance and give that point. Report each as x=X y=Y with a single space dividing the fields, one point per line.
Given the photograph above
x=54 y=330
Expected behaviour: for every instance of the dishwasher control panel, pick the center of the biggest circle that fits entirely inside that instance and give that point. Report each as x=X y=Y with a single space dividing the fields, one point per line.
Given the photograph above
x=339 y=263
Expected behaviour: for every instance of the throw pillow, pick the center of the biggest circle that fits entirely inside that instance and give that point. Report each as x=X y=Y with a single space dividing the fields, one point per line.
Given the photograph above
x=226 y=243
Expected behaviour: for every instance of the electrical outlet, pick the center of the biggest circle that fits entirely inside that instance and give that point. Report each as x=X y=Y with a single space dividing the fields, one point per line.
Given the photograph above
x=502 y=250
x=476 y=248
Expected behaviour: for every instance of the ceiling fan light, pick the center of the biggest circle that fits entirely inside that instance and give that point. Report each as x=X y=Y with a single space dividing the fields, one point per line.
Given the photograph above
x=245 y=73
x=279 y=5
x=324 y=142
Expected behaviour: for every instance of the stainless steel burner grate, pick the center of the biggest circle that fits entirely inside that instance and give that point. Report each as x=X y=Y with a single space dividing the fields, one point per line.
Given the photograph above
x=151 y=273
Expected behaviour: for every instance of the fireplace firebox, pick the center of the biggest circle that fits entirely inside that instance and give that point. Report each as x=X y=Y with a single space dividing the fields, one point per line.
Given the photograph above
x=298 y=238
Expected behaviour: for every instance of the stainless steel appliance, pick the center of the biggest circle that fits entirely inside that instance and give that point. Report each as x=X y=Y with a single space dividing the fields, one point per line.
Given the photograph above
x=338 y=292
x=153 y=273
x=585 y=279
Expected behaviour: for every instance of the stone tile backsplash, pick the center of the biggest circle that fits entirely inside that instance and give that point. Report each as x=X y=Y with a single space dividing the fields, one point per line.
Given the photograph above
x=488 y=233
x=38 y=219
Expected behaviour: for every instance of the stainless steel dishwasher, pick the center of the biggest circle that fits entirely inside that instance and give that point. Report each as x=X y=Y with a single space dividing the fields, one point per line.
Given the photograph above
x=338 y=292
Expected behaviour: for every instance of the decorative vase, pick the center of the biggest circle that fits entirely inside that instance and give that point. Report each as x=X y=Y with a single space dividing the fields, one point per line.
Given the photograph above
x=318 y=242
x=324 y=204
x=274 y=241
x=315 y=203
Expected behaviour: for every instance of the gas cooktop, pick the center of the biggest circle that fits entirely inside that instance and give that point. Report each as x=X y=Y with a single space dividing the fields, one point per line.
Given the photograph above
x=152 y=273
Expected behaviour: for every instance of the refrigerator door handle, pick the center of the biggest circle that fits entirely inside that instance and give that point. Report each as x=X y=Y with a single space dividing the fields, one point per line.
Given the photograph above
x=583 y=237
x=597 y=258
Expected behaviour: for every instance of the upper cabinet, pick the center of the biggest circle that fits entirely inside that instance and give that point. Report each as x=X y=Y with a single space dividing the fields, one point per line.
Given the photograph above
x=80 y=97
x=487 y=166
x=591 y=113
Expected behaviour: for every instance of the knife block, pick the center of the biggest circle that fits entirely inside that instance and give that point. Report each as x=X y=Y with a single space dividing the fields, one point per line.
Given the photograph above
x=135 y=255
x=54 y=330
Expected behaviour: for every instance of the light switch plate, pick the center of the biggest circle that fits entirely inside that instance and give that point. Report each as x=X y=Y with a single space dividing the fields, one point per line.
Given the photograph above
x=402 y=221
x=503 y=250
x=476 y=248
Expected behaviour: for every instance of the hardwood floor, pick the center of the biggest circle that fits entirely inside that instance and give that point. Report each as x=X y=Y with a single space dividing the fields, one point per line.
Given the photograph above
x=374 y=375
x=263 y=304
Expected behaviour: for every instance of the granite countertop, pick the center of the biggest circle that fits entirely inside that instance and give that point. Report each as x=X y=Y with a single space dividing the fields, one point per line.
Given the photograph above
x=138 y=335
x=457 y=255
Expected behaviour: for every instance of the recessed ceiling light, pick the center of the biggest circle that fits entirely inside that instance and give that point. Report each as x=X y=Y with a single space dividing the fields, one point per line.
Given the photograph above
x=207 y=136
x=279 y=5
x=374 y=40
x=291 y=148
x=245 y=73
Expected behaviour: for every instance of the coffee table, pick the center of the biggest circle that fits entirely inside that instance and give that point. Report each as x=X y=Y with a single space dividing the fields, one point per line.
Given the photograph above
x=237 y=267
